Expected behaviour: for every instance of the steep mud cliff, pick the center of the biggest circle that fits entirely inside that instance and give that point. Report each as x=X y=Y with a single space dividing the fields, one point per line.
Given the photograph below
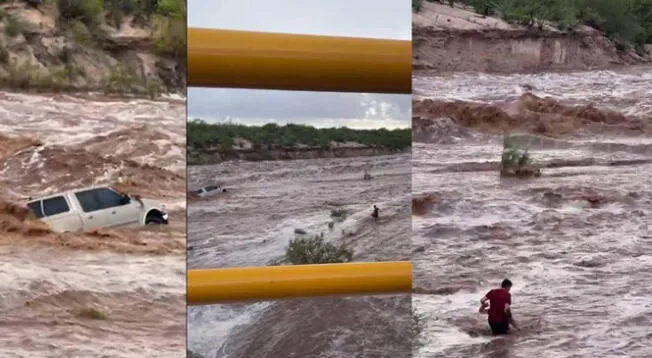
x=446 y=39
x=91 y=46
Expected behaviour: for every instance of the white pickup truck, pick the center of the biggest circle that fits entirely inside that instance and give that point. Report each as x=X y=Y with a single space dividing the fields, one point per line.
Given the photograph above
x=94 y=208
x=208 y=190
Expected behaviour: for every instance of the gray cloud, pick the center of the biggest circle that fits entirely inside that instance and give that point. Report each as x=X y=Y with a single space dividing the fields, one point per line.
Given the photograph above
x=359 y=18
x=377 y=110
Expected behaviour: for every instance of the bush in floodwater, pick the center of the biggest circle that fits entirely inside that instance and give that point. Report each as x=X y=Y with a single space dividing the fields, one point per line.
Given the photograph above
x=314 y=250
x=516 y=160
x=93 y=313
x=339 y=214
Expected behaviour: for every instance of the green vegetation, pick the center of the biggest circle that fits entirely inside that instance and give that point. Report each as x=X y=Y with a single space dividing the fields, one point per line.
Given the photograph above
x=203 y=135
x=417 y=5
x=516 y=161
x=84 y=18
x=86 y=22
x=25 y=75
x=13 y=26
x=339 y=215
x=93 y=313
x=314 y=250
x=626 y=22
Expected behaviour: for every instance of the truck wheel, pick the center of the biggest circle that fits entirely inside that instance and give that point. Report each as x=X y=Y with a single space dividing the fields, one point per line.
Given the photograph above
x=154 y=220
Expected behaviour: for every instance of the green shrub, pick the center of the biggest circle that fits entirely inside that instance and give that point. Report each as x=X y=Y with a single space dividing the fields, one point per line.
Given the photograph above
x=13 y=26
x=86 y=11
x=171 y=8
x=170 y=35
x=154 y=87
x=80 y=33
x=516 y=161
x=4 y=54
x=339 y=214
x=93 y=313
x=417 y=5
x=314 y=250
x=120 y=80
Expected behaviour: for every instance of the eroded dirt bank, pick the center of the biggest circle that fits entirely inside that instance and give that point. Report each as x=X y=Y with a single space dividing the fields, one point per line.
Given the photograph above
x=217 y=156
x=446 y=39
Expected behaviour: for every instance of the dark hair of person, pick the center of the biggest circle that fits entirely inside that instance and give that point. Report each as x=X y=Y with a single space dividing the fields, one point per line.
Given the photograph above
x=506 y=283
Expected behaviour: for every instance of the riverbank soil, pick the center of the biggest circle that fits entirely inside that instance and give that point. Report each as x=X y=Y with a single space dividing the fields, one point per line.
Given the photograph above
x=451 y=39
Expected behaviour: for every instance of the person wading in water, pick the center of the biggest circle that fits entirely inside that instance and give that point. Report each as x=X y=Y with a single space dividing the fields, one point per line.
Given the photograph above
x=375 y=213
x=499 y=301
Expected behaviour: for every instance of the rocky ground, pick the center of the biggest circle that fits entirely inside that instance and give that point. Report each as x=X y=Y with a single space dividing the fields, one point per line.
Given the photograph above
x=83 y=46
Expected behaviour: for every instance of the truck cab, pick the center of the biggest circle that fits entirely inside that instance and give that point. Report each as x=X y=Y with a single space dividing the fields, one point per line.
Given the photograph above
x=96 y=207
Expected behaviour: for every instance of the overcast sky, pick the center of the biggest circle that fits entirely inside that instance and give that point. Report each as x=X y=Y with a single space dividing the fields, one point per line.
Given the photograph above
x=391 y=19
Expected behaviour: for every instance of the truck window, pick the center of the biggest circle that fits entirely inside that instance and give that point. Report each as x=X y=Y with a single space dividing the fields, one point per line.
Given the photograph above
x=54 y=206
x=108 y=198
x=35 y=207
x=211 y=188
x=88 y=200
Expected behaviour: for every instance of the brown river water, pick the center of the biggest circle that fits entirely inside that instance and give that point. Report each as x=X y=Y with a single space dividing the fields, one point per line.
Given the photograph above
x=132 y=279
x=252 y=224
x=576 y=242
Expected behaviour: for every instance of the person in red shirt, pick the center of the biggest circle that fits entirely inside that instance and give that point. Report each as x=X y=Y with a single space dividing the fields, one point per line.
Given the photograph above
x=499 y=300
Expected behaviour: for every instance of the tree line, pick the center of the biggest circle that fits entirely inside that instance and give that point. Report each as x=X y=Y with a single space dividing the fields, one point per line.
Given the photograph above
x=202 y=135
x=627 y=22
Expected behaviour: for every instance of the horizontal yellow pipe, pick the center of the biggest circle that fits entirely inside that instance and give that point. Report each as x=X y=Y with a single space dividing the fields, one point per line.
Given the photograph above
x=209 y=286
x=243 y=59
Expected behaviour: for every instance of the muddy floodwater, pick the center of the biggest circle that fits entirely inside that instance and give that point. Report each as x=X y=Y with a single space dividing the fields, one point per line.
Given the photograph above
x=106 y=293
x=576 y=242
x=251 y=225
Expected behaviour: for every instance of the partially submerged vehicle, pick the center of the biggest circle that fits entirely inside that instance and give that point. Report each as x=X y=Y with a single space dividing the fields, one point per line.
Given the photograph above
x=208 y=190
x=96 y=207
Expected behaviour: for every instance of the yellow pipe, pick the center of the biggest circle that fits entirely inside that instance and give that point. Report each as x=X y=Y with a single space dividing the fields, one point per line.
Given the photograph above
x=243 y=59
x=209 y=286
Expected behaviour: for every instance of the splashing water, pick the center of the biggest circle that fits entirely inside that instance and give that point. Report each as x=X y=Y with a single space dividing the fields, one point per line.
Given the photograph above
x=252 y=224
x=78 y=294
x=575 y=241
